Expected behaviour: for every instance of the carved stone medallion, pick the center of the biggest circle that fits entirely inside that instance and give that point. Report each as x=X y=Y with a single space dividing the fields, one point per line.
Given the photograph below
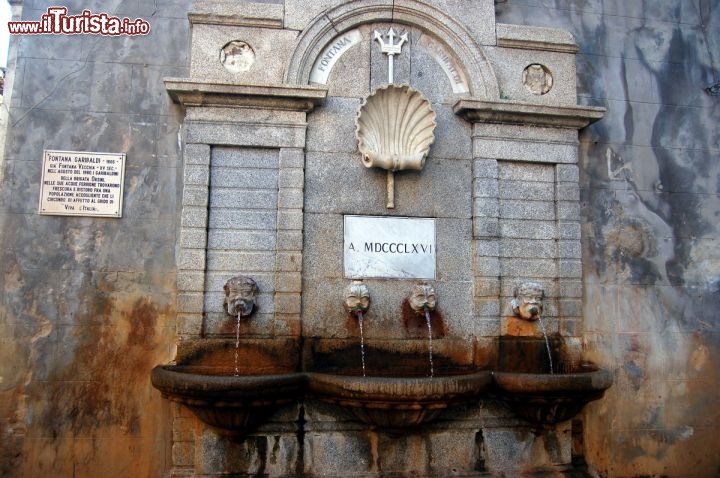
x=237 y=56
x=538 y=79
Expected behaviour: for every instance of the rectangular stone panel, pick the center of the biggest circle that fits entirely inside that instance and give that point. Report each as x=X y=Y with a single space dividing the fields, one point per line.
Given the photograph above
x=389 y=247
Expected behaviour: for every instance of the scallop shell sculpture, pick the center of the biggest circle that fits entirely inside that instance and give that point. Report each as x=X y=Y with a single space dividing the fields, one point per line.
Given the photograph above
x=395 y=128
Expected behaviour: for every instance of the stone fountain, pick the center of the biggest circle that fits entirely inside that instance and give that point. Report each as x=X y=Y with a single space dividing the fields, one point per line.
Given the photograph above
x=233 y=386
x=543 y=379
x=395 y=389
x=363 y=161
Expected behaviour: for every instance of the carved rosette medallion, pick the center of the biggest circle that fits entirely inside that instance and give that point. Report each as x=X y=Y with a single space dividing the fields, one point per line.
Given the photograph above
x=537 y=78
x=237 y=56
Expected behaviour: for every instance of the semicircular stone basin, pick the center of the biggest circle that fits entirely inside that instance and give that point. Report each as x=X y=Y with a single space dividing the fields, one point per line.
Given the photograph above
x=232 y=399
x=525 y=383
x=397 y=391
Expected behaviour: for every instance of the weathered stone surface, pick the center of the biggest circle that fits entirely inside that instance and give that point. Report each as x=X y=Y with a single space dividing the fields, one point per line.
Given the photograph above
x=90 y=305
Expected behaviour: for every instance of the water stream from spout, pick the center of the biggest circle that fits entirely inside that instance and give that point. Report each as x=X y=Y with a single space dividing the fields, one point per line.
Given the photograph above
x=362 y=341
x=237 y=344
x=547 y=345
x=430 y=344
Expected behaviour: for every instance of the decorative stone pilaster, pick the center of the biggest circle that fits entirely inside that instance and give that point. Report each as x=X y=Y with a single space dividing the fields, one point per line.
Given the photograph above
x=526 y=206
x=213 y=120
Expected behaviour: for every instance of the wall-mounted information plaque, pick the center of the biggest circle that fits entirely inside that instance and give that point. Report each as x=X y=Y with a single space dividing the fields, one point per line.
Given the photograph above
x=82 y=184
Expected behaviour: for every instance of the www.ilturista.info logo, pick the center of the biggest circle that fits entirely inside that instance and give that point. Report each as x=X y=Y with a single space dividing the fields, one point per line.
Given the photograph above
x=57 y=21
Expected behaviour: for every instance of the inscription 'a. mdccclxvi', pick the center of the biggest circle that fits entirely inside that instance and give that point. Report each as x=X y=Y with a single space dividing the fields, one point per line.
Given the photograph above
x=395 y=248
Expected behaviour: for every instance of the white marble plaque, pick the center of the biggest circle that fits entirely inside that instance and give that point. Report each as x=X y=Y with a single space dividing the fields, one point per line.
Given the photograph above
x=450 y=65
x=82 y=184
x=389 y=247
x=330 y=55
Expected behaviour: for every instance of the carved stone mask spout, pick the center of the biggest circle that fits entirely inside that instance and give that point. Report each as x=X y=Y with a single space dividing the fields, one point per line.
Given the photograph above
x=357 y=298
x=422 y=297
x=240 y=293
x=527 y=301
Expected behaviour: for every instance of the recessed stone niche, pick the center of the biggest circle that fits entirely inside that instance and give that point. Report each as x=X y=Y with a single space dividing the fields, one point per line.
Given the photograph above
x=272 y=171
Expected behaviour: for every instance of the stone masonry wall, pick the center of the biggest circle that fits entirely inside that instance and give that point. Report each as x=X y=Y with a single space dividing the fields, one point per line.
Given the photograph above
x=649 y=192
x=88 y=306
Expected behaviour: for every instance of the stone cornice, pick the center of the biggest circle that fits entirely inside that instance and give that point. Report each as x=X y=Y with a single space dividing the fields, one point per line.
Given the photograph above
x=238 y=14
x=273 y=97
x=535 y=38
x=513 y=112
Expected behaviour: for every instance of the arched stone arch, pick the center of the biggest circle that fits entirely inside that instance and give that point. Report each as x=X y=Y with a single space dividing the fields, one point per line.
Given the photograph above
x=347 y=16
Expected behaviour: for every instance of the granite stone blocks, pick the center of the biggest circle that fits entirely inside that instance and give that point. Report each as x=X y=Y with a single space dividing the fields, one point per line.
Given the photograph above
x=191 y=259
x=291 y=178
x=247 y=134
x=527 y=191
x=485 y=168
x=486 y=207
x=486 y=227
x=509 y=65
x=238 y=219
x=196 y=154
x=569 y=230
x=571 y=268
x=289 y=262
x=288 y=282
x=486 y=248
x=567 y=173
x=246 y=262
x=188 y=325
x=239 y=239
x=526 y=172
x=246 y=198
x=196 y=175
x=290 y=240
x=291 y=158
x=528 y=210
x=195 y=196
x=540 y=268
x=242 y=178
x=568 y=210
x=194 y=217
x=528 y=248
x=245 y=158
x=288 y=303
x=190 y=303
x=190 y=280
x=485 y=188
x=290 y=198
x=486 y=287
x=193 y=238
x=270 y=49
x=524 y=229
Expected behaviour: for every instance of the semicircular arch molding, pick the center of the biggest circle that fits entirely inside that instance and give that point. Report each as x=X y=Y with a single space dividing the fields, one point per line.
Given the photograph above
x=347 y=16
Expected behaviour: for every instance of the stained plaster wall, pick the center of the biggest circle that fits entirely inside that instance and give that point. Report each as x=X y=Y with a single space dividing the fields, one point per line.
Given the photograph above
x=88 y=304
x=649 y=190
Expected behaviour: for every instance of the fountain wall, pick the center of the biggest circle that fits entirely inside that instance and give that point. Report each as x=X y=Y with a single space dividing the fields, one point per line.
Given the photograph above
x=617 y=228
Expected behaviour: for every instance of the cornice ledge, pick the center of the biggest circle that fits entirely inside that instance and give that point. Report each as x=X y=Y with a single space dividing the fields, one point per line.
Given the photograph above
x=535 y=38
x=273 y=97
x=513 y=112
x=237 y=13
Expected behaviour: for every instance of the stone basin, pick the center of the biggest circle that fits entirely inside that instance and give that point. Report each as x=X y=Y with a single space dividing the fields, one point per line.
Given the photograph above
x=523 y=381
x=206 y=381
x=397 y=391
